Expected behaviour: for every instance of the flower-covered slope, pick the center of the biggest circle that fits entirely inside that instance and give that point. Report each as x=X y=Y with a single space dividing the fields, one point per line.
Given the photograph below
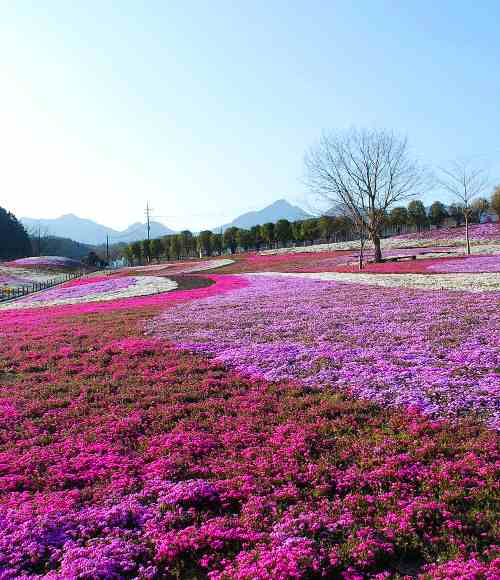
x=428 y=260
x=477 y=233
x=179 y=267
x=47 y=262
x=435 y=351
x=485 y=238
x=469 y=264
x=14 y=277
x=123 y=457
x=470 y=282
x=95 y=289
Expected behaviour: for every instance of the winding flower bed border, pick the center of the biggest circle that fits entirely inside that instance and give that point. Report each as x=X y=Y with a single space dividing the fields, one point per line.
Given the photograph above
x=222 y=284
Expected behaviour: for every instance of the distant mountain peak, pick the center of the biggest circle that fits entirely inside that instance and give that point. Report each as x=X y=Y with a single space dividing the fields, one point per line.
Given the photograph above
x=280 y=203
x=89 y=232
x=279 y=209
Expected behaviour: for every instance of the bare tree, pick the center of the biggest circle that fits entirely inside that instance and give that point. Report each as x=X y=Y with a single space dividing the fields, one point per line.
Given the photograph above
x=366 y=173
x=465 y=182
x=38 y=235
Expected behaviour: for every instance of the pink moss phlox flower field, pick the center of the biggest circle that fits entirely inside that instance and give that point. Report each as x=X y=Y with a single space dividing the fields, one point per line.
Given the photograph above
x=340 y=261
x=297 y=262
x=41 y=316
x=6 y=279
x=177 y=267
x=454 y=264
x=15 y=276
x=48 y=262
x=83 y=288
x=122 y=456
x=102 y=289
x=478 y=232
x=469 y=264
x=433 y=351
x=441 y=260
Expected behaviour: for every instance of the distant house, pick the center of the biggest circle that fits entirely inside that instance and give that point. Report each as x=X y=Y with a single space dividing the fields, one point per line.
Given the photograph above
x=488 y=217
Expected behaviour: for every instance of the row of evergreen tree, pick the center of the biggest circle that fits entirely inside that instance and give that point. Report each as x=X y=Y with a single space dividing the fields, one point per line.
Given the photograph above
x=282 y=233
x=207 y=243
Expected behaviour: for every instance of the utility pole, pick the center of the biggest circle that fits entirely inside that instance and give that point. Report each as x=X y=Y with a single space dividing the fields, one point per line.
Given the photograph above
x=39 y=242
x=107 y=249
x=148 y=224
x=148 y=214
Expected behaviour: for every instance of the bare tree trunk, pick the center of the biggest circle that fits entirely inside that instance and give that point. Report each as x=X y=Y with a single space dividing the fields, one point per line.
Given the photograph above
x=467 y=241
x=361 y=248
x=376 y=244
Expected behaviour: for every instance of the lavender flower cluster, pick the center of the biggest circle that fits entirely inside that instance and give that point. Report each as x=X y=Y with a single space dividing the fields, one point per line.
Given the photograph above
x=433 y=351
x=471 y=264
x=48 y=262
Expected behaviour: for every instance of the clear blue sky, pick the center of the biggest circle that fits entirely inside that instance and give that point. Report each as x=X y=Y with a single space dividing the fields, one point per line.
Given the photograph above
x=206 y=108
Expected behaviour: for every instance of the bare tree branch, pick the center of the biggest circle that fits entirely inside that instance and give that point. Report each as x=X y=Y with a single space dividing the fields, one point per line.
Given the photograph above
x=366 y=172
x=465 y=183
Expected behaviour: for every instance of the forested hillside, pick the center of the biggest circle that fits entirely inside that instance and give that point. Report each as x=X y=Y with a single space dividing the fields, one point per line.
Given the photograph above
x=14 y=241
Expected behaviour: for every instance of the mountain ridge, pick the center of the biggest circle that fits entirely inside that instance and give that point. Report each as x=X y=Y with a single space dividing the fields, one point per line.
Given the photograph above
x=280 y=209
x=87 y=231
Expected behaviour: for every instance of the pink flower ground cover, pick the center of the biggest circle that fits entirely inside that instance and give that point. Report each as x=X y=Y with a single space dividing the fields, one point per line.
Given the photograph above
x=489 y=263
x=421 y=266
x=13 y=280
x=336 y=261
x=454 y=264
x=435 y=351
x=122 y=456
x=40 y=316
x=478 y=232
x=86 y=280
x=47 y=262
x=81 y=289
x=293 y=262
x=175 y=268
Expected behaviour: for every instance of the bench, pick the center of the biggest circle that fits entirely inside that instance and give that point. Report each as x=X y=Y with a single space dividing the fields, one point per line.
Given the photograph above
x=399 y=258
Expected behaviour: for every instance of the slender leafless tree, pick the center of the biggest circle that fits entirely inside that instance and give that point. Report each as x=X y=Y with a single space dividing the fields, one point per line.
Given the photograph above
x=366 y=173
x=38 y=235
x=466 y=183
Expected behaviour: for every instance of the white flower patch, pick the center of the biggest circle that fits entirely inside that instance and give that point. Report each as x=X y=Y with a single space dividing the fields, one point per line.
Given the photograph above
x=210 y=265
x=489 y=282
x=13 y=277
x=181 y=267
x=100 y=291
